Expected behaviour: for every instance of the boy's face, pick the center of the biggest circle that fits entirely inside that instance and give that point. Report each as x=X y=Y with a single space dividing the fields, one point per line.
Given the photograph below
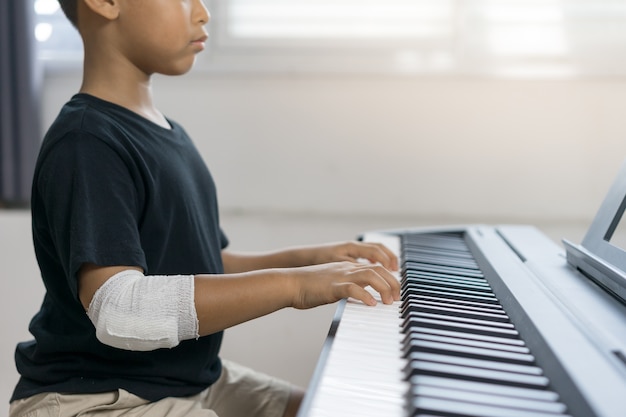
x=162 y=36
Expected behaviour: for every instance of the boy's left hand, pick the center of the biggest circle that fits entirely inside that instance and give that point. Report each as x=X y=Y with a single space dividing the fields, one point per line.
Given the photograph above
x=353 y=251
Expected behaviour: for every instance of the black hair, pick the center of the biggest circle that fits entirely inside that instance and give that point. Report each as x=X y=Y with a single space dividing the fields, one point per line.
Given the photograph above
x=70 y=8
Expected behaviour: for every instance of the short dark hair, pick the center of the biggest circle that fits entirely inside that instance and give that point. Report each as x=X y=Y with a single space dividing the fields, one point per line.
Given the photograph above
x=70 y=8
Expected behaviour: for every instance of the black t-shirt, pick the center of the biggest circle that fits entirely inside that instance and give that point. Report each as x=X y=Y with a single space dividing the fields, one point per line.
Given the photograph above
x=112 y=188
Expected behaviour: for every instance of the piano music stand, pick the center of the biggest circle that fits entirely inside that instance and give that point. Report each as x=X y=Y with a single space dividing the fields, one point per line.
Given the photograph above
x=598 y=256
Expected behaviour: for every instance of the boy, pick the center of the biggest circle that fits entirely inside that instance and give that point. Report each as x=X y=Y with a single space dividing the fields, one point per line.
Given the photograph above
x=139 y=282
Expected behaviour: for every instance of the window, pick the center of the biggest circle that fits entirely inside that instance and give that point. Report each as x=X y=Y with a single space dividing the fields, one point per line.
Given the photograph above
x=58 y=43
x=332 y=35
x=510 y=38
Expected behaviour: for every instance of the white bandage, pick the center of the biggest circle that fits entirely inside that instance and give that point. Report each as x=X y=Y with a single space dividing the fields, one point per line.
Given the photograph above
x=132 y=311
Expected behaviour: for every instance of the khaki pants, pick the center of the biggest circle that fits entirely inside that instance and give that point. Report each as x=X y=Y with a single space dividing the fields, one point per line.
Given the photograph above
x=239 y=392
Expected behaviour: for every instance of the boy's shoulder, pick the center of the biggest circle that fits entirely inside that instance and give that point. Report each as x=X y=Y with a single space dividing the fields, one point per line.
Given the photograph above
x=82 y=113
x=87 y=115
x=84 y=125
x=86 y=112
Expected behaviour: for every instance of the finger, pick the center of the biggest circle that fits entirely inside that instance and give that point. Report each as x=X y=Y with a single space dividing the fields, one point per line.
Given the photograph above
x=390 y=278
x=376 y=253
x=353 y=290
x=381 y=280
x=384 y=288
x=393 y=265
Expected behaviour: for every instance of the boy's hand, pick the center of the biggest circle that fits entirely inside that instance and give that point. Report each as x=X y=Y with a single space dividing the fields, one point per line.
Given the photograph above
x=330 y=282
x=353 y=251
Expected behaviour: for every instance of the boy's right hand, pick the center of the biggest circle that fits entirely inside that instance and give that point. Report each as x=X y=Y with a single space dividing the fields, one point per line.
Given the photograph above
x=328 y=283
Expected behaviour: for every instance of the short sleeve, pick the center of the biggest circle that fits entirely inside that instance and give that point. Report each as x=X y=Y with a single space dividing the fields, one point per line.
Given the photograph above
x=91 y=201
x=224 y=242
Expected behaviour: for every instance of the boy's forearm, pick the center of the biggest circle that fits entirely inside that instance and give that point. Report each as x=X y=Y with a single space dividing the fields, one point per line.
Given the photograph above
x=235 y=263
x=223 y=301
x=351 y=251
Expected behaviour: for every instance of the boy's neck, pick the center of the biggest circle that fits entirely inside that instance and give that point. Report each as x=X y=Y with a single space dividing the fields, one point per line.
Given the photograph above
x=131 y=92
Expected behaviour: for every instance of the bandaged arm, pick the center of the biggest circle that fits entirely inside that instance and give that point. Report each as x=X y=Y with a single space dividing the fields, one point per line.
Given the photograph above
x=132 y=311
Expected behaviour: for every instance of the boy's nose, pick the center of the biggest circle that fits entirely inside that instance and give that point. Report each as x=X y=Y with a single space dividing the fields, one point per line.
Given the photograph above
x=203 y=13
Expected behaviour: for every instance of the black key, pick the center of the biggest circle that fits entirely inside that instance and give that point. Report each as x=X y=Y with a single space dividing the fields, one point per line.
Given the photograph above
x=461 y=253
x=460 y=319
x=458 y=312
x=462 y=335
x=443 y=293
x=477 y=364
x=422 y=406
x=416 y=286
x=417 y=322
x=426 y=274
x=489 y=399
x=411 y=282
x=486 y=388
x=437 y=240
x=416 y=345
x=438 y=259
x=416 y=335
x=441 y=301
x=464 y=272
x=420 y=367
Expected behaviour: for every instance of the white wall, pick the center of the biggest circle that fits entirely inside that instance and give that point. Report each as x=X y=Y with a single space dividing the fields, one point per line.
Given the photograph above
x=21 y=293
x=466 y=148
x=393 y=149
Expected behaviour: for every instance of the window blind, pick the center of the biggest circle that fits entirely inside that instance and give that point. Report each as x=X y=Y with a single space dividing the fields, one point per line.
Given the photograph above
x=340 y=19
x=559 y=38
x=512 y=38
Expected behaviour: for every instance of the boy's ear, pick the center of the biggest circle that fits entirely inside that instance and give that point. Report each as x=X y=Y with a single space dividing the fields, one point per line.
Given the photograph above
x=109 y=9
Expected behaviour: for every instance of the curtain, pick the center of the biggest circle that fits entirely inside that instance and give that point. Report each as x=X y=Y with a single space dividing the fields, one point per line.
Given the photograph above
x=19 y=102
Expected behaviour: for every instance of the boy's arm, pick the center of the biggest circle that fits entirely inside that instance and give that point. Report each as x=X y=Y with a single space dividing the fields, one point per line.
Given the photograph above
x=222 y=301
x=350 y=251
x=227 y=300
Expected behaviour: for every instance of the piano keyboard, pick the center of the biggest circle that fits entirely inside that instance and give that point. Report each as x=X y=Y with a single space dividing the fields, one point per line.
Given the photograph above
x=447 y=348
x=464 y=356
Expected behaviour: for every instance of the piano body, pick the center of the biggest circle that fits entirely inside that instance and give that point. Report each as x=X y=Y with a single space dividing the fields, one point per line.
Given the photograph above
x=494 y=321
